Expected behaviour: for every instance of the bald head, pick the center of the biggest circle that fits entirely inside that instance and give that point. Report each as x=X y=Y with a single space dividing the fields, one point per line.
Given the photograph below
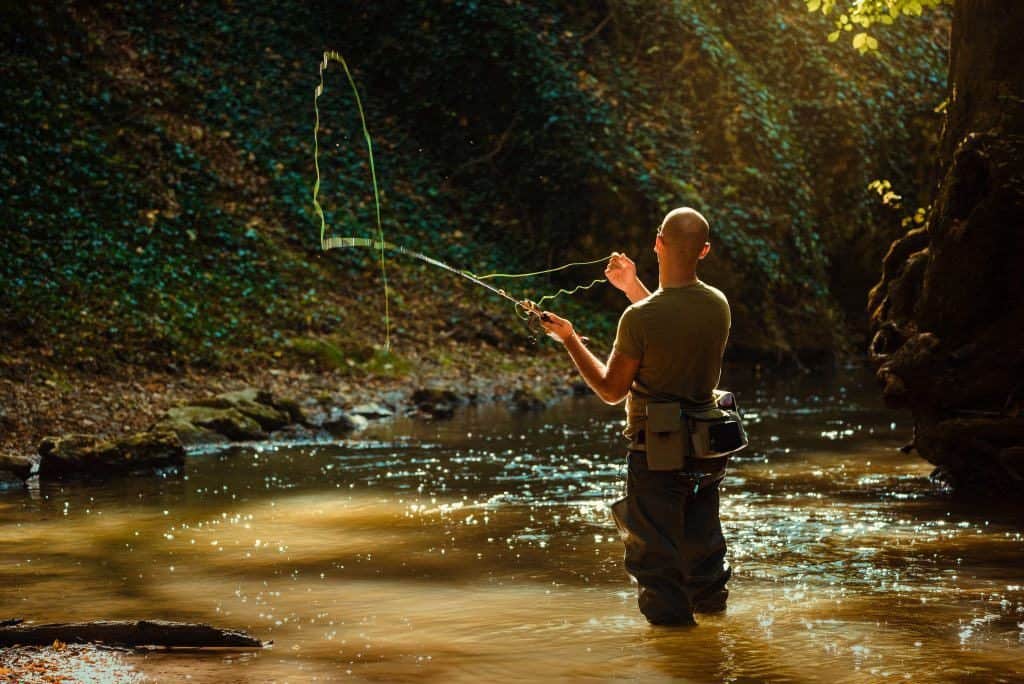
x=685 y=232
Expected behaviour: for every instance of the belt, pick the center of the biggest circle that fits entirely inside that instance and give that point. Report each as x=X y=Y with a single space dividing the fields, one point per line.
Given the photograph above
x=712 y=469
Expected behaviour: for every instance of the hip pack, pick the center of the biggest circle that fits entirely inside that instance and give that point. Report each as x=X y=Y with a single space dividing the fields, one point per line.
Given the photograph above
x=673 y=434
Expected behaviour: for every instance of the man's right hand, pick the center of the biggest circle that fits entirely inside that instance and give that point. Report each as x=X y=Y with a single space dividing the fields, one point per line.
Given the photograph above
x=621 y=271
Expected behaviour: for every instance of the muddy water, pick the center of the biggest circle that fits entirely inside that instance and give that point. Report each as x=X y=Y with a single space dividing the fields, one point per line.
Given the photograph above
x=481 y=549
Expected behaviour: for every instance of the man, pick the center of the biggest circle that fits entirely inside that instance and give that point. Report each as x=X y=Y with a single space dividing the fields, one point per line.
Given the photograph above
x=668 y=349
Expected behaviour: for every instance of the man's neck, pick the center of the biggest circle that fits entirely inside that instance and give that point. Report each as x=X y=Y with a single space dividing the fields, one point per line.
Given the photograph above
x=673 y=277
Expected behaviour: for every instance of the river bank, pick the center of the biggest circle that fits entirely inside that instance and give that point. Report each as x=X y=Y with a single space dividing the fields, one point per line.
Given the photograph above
x=43 y=400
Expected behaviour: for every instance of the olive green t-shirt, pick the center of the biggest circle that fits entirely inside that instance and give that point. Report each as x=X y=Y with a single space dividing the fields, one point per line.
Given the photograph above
x=679 y=335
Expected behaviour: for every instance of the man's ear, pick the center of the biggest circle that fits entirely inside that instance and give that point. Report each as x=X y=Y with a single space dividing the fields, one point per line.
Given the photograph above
x=704 y=250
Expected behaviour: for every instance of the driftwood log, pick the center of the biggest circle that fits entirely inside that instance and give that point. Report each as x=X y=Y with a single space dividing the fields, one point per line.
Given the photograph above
x=127 y=633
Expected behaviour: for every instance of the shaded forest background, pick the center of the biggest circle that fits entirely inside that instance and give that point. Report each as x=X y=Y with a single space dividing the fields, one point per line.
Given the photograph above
x=158 y=169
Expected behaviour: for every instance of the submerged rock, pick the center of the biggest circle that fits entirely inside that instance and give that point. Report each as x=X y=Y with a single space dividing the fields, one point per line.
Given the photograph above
x=86 y=455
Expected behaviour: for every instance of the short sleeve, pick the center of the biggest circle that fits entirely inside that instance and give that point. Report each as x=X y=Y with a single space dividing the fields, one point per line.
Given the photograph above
x=629 y=337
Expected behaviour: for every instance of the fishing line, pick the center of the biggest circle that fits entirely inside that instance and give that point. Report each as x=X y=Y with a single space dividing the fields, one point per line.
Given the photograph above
x=330 y=56
x=524 y=308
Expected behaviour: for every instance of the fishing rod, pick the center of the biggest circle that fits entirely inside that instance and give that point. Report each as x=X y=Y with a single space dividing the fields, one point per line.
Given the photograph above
x=525 y=304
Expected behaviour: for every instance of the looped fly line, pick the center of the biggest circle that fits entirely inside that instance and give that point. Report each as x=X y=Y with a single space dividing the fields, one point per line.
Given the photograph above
x=524 y=308
x=330 y=56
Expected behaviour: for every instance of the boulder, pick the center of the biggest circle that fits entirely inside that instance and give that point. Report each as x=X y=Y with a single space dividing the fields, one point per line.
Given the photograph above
x=252 y=403
x=229 y=422
x=87 y=455
x=190 y=434
x=292 y=408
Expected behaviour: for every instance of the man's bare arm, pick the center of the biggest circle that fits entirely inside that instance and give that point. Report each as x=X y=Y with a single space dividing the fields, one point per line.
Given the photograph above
x=609 y=381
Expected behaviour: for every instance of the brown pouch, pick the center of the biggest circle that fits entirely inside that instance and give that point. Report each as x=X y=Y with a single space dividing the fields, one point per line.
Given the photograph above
x=665 y=436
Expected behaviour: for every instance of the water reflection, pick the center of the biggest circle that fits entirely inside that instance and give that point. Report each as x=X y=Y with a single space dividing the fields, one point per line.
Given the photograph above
x=481 y=549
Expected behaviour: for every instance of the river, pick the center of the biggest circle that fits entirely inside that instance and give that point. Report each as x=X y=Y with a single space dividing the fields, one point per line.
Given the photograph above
x=481 y=549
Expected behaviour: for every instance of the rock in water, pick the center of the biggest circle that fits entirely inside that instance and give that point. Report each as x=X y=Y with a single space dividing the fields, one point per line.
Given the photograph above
x=191 y=435
x=371 y=411
x=437 y=403
x=16 y=468
x=336 y=420
x=229 y=422
x=86 y=455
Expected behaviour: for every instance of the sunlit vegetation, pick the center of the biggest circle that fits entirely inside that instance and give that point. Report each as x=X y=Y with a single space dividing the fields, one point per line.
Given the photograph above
x=157 y=194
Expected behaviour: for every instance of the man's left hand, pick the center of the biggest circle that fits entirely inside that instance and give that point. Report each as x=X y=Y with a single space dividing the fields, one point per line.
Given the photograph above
x=557 y=327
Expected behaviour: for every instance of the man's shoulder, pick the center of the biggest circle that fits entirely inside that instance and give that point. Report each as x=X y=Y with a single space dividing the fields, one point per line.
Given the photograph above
x=715 y=292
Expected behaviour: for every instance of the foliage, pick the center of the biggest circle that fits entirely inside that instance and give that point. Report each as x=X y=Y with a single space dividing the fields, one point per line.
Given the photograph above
x=156 y=203
x=865 y=13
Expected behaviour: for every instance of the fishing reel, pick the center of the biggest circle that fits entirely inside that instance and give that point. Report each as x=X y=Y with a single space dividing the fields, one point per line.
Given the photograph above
x=526 y=308
x=531 y=315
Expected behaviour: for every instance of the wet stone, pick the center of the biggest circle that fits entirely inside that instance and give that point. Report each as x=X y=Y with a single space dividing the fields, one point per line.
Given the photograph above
x=15 y=468
x=85 y=454
x=393 y=399
x=230 y=422
x=190 y=434
x=21 y=466
x=436 y=403
x=372 y=410
x=255 y=404
x=295 y=433
x=336 y=420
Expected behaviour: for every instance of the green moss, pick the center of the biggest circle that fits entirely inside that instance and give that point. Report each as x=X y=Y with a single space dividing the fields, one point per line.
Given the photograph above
x=387 y=364
x=320 y=352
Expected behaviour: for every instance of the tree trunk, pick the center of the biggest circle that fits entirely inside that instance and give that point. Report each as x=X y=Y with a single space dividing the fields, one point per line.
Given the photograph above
x=948 y=314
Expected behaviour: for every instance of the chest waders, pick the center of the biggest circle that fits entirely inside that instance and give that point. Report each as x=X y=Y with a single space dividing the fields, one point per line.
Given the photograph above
x=669 y=518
